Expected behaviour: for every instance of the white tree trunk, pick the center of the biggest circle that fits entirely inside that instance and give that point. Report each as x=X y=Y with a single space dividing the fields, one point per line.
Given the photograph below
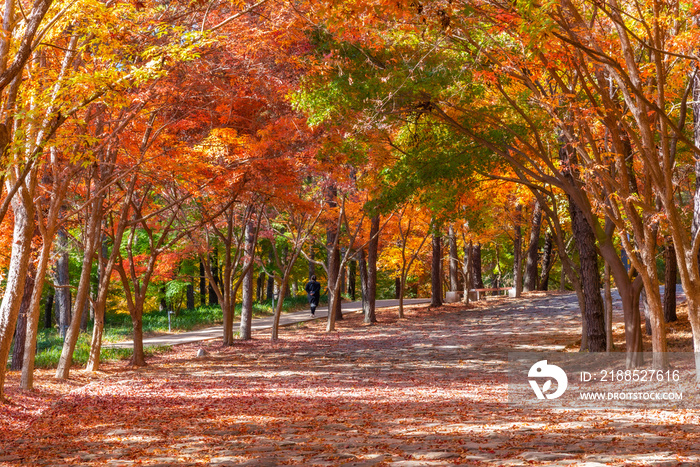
x=17 y=274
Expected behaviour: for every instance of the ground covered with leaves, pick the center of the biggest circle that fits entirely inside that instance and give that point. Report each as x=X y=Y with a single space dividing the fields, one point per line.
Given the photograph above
x=427 y=390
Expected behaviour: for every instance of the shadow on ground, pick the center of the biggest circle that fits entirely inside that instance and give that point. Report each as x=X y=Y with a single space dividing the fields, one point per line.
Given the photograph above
x=428 y=390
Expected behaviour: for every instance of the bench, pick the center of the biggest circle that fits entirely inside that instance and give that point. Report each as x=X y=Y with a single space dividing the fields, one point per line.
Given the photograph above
x=489 y=289
x=456 y=296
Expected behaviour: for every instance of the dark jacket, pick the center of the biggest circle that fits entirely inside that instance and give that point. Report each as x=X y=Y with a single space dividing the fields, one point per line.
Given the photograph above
x=313 y=288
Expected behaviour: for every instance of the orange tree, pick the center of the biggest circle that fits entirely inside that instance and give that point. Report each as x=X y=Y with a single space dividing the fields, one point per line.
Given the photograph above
x=73 y=63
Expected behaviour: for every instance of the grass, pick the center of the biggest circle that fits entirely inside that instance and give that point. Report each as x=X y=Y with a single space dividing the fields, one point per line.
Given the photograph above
x=49 y=345
x=118 y=328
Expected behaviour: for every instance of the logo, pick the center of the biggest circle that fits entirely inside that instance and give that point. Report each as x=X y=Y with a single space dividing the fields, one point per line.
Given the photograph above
x=542 y=370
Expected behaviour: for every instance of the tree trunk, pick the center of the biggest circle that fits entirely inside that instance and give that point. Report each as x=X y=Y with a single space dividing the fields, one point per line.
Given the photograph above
x=475 y=263
x=435 y=275
x=670 y=279
x=259 y=287
x=530 y=280
x=400 y=292
x=499 y=275
x=454 y=260
x=372 y=253
x=517 y=251
x=562 y=280
x=162 y=302
x=90 y=241
x=363 y=286
x=629 y=296
x=466 y=271
x=48 y=311
x=94 y=359
x=644 y=308
x=202 y=285
x=608 y=310
x=247 y=285
x=88 y=310
x=213 y=298
x=62 y=282
x=689 y=263
x=139 y=356
x=85 y=315
x=352 y=279
x=274 y=334
x=34 y=311
x=343 y=281
x=270 y=288
x=593 y=315
x=546 y=262
x=190 y=296
x=334 y=306
x=312 y=265
x=21 y=327
x=16 y=275
x=106 y=262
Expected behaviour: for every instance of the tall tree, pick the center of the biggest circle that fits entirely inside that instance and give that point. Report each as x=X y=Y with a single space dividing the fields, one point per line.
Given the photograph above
x=19 y=260
x=530 y=278
x=435 y=275
x=298 y=227
x=21 y=328
x=454 y=259
x=372 y=252
x=202 y=285
x=517 y=250
x=61 y=283
x=670 y=279
x=247 y=285
x=547 y=261
x=407 y=256
x=475 y=263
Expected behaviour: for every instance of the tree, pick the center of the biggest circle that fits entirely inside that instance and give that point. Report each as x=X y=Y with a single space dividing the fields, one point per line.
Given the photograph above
x=412 y=232
x=295 y=228
x=454 y=259
x=530 y=278
x=251 y=234
x=435 y=272
x=372 y=253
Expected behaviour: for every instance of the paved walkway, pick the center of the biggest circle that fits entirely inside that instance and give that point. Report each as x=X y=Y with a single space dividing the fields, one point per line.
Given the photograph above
x=564 y=302
x=259 y=324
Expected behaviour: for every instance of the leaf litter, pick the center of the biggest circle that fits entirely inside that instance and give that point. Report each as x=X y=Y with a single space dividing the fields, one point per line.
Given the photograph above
x=427 y=390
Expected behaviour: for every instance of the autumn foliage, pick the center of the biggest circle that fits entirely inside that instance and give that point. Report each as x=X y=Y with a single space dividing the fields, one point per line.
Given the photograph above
x=152 y=152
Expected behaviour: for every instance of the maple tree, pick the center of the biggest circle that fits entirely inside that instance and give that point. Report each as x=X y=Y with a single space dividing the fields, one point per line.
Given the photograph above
x=411 y=233
x=422 y=87
x=116 y=88
x=293 y=228
x=63 y=83
x=224 y=131
x=585 y=104
x=145 y=138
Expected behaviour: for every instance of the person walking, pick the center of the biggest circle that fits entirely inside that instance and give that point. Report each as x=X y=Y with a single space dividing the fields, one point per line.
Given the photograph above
x=313 y=288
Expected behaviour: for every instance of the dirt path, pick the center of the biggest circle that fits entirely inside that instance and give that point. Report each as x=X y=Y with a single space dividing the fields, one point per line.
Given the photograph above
x=427 y=390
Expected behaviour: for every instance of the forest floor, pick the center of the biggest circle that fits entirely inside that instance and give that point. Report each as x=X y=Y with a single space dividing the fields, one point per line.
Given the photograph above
x=430 y=389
